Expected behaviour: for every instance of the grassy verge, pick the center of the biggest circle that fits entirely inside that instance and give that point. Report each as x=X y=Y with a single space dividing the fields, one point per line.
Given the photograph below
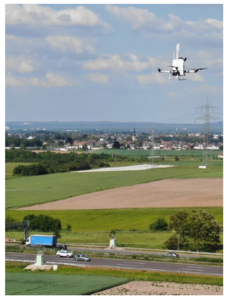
x=100 y=221
x=129 y=275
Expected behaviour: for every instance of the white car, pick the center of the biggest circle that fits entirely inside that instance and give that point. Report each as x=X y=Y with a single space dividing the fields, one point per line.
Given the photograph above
x=64 y=253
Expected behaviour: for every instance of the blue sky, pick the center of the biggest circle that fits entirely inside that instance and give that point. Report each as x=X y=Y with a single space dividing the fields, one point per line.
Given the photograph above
x=99 y=62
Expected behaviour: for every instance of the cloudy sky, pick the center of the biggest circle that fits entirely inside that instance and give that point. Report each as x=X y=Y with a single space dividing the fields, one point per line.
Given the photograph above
x=99 y=62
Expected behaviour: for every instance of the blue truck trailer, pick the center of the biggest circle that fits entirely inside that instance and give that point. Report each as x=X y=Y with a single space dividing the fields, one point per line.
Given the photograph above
x=42 y=240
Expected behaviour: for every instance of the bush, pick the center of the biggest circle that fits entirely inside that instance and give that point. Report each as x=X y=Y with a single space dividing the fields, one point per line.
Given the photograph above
x=31 y=170
x=43 y=223
x=159 y=225
x=18 y=169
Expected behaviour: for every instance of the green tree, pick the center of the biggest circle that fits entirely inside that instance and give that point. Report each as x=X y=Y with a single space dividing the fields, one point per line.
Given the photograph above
x=116 y=145
x=195 y=230
x=43 y=223
x=172 y=242
x=203 y=231
x=84 y=147
x=69 y=140
x=159 y=225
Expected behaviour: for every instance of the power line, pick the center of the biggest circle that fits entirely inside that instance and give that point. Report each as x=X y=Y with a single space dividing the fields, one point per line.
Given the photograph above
x=206 y=117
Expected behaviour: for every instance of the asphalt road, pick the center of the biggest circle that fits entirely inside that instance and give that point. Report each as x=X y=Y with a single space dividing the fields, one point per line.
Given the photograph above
x=123 y=264
x=131 y=252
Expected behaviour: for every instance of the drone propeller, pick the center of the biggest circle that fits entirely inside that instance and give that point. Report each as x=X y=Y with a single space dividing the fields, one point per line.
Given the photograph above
x=184 y=59
x=198 y=69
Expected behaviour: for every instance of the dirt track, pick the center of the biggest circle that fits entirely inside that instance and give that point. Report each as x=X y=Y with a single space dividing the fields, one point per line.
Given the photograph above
x=165 y=193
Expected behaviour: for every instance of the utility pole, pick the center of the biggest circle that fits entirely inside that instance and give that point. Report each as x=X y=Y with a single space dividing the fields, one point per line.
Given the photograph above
x=206 y=117
x=152 y=147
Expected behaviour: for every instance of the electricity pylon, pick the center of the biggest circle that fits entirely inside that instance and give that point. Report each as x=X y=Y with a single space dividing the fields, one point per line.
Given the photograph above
x=152 y=147
x=206 y=117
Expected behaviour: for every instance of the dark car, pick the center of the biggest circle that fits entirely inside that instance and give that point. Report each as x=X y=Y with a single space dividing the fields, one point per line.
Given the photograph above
x=82 y=257
x=61 y=247
x=171 y=254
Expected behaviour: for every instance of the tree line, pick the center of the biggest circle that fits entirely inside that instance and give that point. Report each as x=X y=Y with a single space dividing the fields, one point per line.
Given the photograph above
x=51 y=162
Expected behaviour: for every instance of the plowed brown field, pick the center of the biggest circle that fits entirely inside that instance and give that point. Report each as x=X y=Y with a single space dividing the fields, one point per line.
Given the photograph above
x=164 y=193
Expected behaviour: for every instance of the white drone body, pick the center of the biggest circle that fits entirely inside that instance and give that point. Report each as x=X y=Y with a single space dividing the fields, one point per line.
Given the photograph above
x=178 y=68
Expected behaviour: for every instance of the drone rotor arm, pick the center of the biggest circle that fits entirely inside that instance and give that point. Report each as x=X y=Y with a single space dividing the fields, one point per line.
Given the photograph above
x=196 y=70
x=163 y=71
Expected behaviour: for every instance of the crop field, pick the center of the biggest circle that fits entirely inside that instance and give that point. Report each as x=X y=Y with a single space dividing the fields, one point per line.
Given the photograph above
x=41 y=189
x=57 y=284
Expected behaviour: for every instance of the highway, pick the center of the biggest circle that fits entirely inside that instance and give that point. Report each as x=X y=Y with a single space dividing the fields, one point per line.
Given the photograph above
x=123 y=264
x=139 y=252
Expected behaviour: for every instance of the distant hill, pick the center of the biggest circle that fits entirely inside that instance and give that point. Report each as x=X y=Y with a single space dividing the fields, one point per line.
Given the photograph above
x=113 y=126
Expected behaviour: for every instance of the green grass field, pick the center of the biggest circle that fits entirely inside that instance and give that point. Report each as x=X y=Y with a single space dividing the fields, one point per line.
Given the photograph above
x=41 y=189
x=108 y=219
x=141 y=152
x=57 y=284
x=93 y=226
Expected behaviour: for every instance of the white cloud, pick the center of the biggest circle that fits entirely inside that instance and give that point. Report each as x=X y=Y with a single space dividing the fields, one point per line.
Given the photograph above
x=12 y=81
x=99 y=78
x=51 y=80
x=195 y=77
x=140 y=18
x=115 y=62
x=203 y=59
x=35 y=15
x=143 y=19
x=215 y=23
x=152 y=78
x=68 y=43
x=19 y=64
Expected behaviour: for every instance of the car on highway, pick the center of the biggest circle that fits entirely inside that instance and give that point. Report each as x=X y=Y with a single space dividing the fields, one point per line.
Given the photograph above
x=171 y=254
x=61 y=246
x=82 y=257
x=64 y=253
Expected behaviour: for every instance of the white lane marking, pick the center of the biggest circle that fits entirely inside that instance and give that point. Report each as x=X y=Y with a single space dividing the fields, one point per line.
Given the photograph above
x=134 y=263
x=196 y=268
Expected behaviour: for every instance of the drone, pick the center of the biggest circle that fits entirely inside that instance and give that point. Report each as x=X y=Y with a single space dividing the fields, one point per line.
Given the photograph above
x=178 y=69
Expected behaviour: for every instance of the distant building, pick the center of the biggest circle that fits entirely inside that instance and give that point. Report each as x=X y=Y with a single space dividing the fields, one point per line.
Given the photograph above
x=134 y=139
x=198 y=147
x=212 y=147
